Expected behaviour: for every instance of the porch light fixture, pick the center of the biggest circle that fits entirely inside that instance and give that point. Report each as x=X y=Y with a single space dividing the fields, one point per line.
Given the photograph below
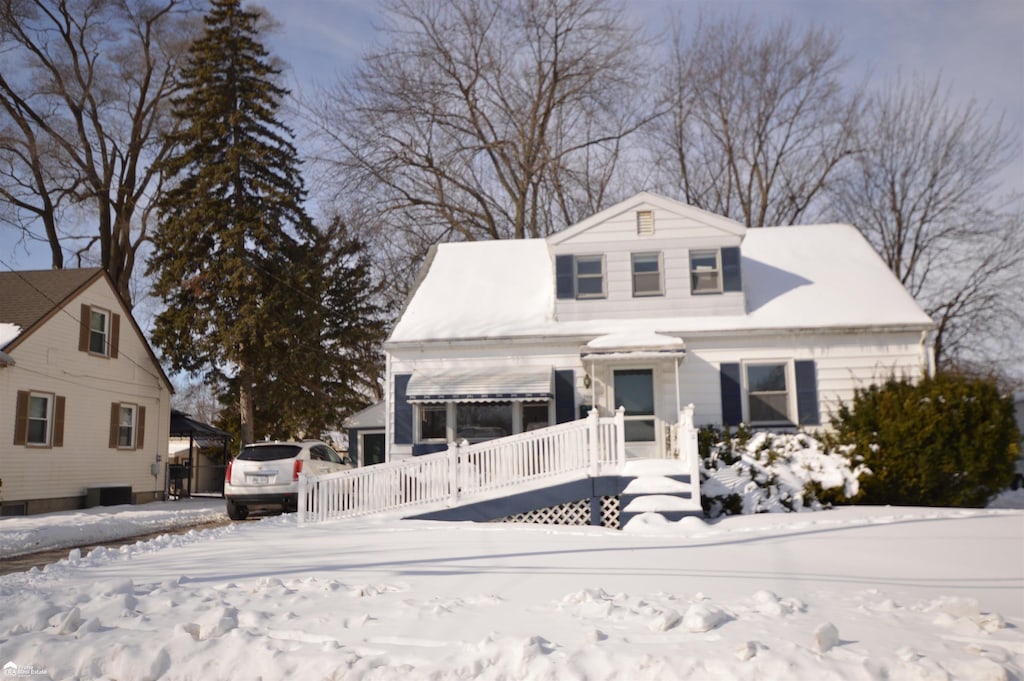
x=586 y=381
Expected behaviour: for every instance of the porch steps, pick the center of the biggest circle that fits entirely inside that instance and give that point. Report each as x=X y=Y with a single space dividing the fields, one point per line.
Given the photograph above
x=661 y=486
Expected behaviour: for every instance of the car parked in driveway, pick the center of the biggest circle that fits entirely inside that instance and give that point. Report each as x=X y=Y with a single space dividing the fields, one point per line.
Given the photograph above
x=265 y=475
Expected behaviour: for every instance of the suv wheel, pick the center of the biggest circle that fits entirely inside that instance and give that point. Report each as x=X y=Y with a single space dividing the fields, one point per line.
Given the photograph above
x=236 y=512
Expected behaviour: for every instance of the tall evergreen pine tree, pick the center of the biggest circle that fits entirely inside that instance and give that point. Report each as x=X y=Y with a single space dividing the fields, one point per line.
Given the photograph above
x=229 y=252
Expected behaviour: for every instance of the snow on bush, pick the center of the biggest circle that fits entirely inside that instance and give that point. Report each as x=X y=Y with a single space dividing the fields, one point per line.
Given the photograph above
x=772 y=472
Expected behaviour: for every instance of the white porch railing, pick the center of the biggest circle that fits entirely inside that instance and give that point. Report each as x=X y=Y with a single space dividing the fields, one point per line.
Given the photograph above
x=463 y=470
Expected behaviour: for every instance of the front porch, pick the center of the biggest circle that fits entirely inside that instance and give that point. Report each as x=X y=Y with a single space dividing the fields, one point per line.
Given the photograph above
x=475 y=476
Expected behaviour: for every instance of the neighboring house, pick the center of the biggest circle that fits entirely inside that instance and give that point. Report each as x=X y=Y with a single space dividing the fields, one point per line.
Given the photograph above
x=86 y=405
x=366 y=435
x=649 y=305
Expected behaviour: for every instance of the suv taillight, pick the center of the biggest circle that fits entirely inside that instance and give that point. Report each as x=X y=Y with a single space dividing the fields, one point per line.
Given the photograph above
x=227 y=474
x=298 y=469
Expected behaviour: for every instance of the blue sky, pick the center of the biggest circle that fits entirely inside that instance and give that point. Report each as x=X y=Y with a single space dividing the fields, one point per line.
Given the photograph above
x=976 y=45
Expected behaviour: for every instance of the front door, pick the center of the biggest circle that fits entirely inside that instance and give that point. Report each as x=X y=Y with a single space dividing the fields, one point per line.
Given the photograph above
x=634 y=390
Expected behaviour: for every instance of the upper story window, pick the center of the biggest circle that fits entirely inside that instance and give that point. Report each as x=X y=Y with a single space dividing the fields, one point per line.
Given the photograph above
x=647 y=274
x=99 y=325
x=705 y=271
x=590 y=276
x=580 y=276
x=99 y=331
x=715 y=270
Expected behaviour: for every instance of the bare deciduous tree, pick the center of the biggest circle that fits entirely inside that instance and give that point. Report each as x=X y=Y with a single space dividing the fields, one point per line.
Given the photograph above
x=924 y=191
x=84 y=88
x=484 y=119
x=758 y=119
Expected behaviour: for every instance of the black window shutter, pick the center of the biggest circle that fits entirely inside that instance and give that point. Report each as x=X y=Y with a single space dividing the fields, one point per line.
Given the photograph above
x=806 y=393
x=731 y=280
x=732 y=399
x=403 y=411
x=565 y=284
x=565 y=396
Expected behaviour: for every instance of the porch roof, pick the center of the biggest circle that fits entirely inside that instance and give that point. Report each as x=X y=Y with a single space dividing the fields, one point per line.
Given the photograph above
x=633 y=345
x=482 y=385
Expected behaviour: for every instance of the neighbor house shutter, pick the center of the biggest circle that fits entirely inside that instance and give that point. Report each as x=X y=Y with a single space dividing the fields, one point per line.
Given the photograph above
x=115 y=414
x=732 y=397
x=83 y=329
x=58 y=421
x=403 y=411
x=140 y=435
x=565 y=286
x=806 y=393
x=731 y=280
x=21 y=418
x=565 y=396
x=115 y=334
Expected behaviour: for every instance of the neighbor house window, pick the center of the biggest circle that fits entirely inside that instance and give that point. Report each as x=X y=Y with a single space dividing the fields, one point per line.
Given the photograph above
x=40 y=412
x=482 y=421
x=705 y=272
x=127 y=423
x=590 y=276
x=647 y=278
x=433 y=422
x=126 y=426
x=767 y=393
x=99 y=329
x=39 y=419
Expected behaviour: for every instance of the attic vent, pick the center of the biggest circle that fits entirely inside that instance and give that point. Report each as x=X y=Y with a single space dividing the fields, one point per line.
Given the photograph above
x=645 y=222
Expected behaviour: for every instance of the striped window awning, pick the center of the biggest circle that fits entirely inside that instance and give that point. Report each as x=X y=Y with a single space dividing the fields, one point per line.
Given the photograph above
x=482 y=385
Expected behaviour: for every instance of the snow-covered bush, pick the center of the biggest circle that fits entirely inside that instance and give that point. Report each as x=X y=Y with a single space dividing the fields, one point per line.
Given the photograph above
x=746 y=472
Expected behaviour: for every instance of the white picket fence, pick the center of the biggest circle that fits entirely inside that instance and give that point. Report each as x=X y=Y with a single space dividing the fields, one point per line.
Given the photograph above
x=587 y=446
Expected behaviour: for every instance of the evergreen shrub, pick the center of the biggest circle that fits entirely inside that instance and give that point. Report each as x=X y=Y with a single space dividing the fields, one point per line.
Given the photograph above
x=949 y=440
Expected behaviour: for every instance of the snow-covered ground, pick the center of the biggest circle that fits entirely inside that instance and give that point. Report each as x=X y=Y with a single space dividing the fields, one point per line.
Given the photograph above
x=852 y=593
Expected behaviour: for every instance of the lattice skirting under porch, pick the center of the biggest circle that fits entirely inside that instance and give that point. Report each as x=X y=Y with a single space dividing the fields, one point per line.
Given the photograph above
x=572 y=513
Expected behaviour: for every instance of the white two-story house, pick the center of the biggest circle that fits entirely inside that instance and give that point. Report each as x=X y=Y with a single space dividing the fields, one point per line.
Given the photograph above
x=649 y=305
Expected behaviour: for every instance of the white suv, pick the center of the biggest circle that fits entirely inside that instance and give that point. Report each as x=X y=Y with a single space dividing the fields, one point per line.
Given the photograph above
x=266 y=474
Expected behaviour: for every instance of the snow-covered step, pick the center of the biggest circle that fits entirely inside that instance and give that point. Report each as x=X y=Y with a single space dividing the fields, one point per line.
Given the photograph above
x=661 y=486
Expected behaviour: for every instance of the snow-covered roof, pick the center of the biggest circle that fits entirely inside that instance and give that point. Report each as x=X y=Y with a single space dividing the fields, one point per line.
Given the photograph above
x=8 y=332
x=802 y=277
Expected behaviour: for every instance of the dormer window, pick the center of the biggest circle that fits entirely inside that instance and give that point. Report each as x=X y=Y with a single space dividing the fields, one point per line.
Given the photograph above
x=580 y=276
x=715 y=270
x=590 y=276
x=647 y=279
x=705 y=272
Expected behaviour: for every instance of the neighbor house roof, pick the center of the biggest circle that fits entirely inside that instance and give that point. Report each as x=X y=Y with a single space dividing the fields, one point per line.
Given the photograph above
x=29 y=298
x=804 y=277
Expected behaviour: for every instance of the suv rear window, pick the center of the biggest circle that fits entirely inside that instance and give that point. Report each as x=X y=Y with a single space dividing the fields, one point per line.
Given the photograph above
x=269 y=452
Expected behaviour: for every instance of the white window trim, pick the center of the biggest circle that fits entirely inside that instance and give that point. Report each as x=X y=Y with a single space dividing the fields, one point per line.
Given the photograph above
x=718 y=269
x=599 y=257
x=418 y=422
x=791 y=406
x=661 y=274
x=134 y=425
x=450 y=418
x=50 y=400
x=107 y=319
